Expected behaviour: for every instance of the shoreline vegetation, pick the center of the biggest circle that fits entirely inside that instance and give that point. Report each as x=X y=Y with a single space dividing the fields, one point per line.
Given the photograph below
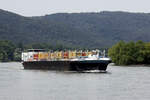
x=130 y=53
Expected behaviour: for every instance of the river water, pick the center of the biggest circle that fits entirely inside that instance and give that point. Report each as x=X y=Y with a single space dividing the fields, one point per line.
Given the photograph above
x=118 y=83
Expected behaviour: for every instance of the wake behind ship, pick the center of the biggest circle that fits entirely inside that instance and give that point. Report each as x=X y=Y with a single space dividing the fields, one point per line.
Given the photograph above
x=64 y=60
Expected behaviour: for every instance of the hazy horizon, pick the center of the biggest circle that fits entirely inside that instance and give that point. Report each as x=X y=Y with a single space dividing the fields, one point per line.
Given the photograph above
x=40 y=7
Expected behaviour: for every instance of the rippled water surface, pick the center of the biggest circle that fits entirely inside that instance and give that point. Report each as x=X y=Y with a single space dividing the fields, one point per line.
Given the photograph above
x=119 y=83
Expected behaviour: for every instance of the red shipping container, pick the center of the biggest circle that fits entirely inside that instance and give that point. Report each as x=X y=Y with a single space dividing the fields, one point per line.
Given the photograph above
x=83 y=54
x=35 y=56
x=65 y=55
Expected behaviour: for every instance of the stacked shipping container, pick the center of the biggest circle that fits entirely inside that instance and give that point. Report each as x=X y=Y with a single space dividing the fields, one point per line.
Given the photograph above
x=56 y=55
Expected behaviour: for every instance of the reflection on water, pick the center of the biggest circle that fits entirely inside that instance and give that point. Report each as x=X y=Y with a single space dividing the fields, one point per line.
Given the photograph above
x=118 y=83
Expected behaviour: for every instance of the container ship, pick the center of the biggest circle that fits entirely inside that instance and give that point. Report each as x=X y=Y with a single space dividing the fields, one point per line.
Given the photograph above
x=65 y=60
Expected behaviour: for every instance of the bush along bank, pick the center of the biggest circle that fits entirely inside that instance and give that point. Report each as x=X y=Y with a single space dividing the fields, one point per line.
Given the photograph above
x=130 y=53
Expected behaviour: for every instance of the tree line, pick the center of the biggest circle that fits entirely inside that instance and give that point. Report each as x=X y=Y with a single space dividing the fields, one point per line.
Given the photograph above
x=6 y=51
x=128 y=53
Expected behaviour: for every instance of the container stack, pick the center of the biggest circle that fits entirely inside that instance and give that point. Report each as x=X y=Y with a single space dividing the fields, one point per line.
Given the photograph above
x=57 y=55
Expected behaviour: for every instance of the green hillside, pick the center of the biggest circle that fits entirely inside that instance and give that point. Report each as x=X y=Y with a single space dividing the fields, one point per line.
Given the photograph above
x=75 y=29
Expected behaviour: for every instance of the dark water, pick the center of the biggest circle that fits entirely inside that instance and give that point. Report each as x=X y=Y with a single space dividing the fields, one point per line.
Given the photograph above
x=119 y=83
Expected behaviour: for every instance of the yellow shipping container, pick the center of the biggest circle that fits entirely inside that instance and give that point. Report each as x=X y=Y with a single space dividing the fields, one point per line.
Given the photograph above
x=79 y=53
x=40 y=56
x=72 y=54
x=52 y=55
x=89 y=53
x=59 y=55
x=43 y=55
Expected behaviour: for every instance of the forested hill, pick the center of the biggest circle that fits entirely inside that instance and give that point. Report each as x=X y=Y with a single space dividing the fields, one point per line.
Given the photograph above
x=75 y=29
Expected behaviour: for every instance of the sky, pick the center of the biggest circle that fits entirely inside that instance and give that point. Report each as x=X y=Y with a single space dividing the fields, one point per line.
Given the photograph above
x=43 y=7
